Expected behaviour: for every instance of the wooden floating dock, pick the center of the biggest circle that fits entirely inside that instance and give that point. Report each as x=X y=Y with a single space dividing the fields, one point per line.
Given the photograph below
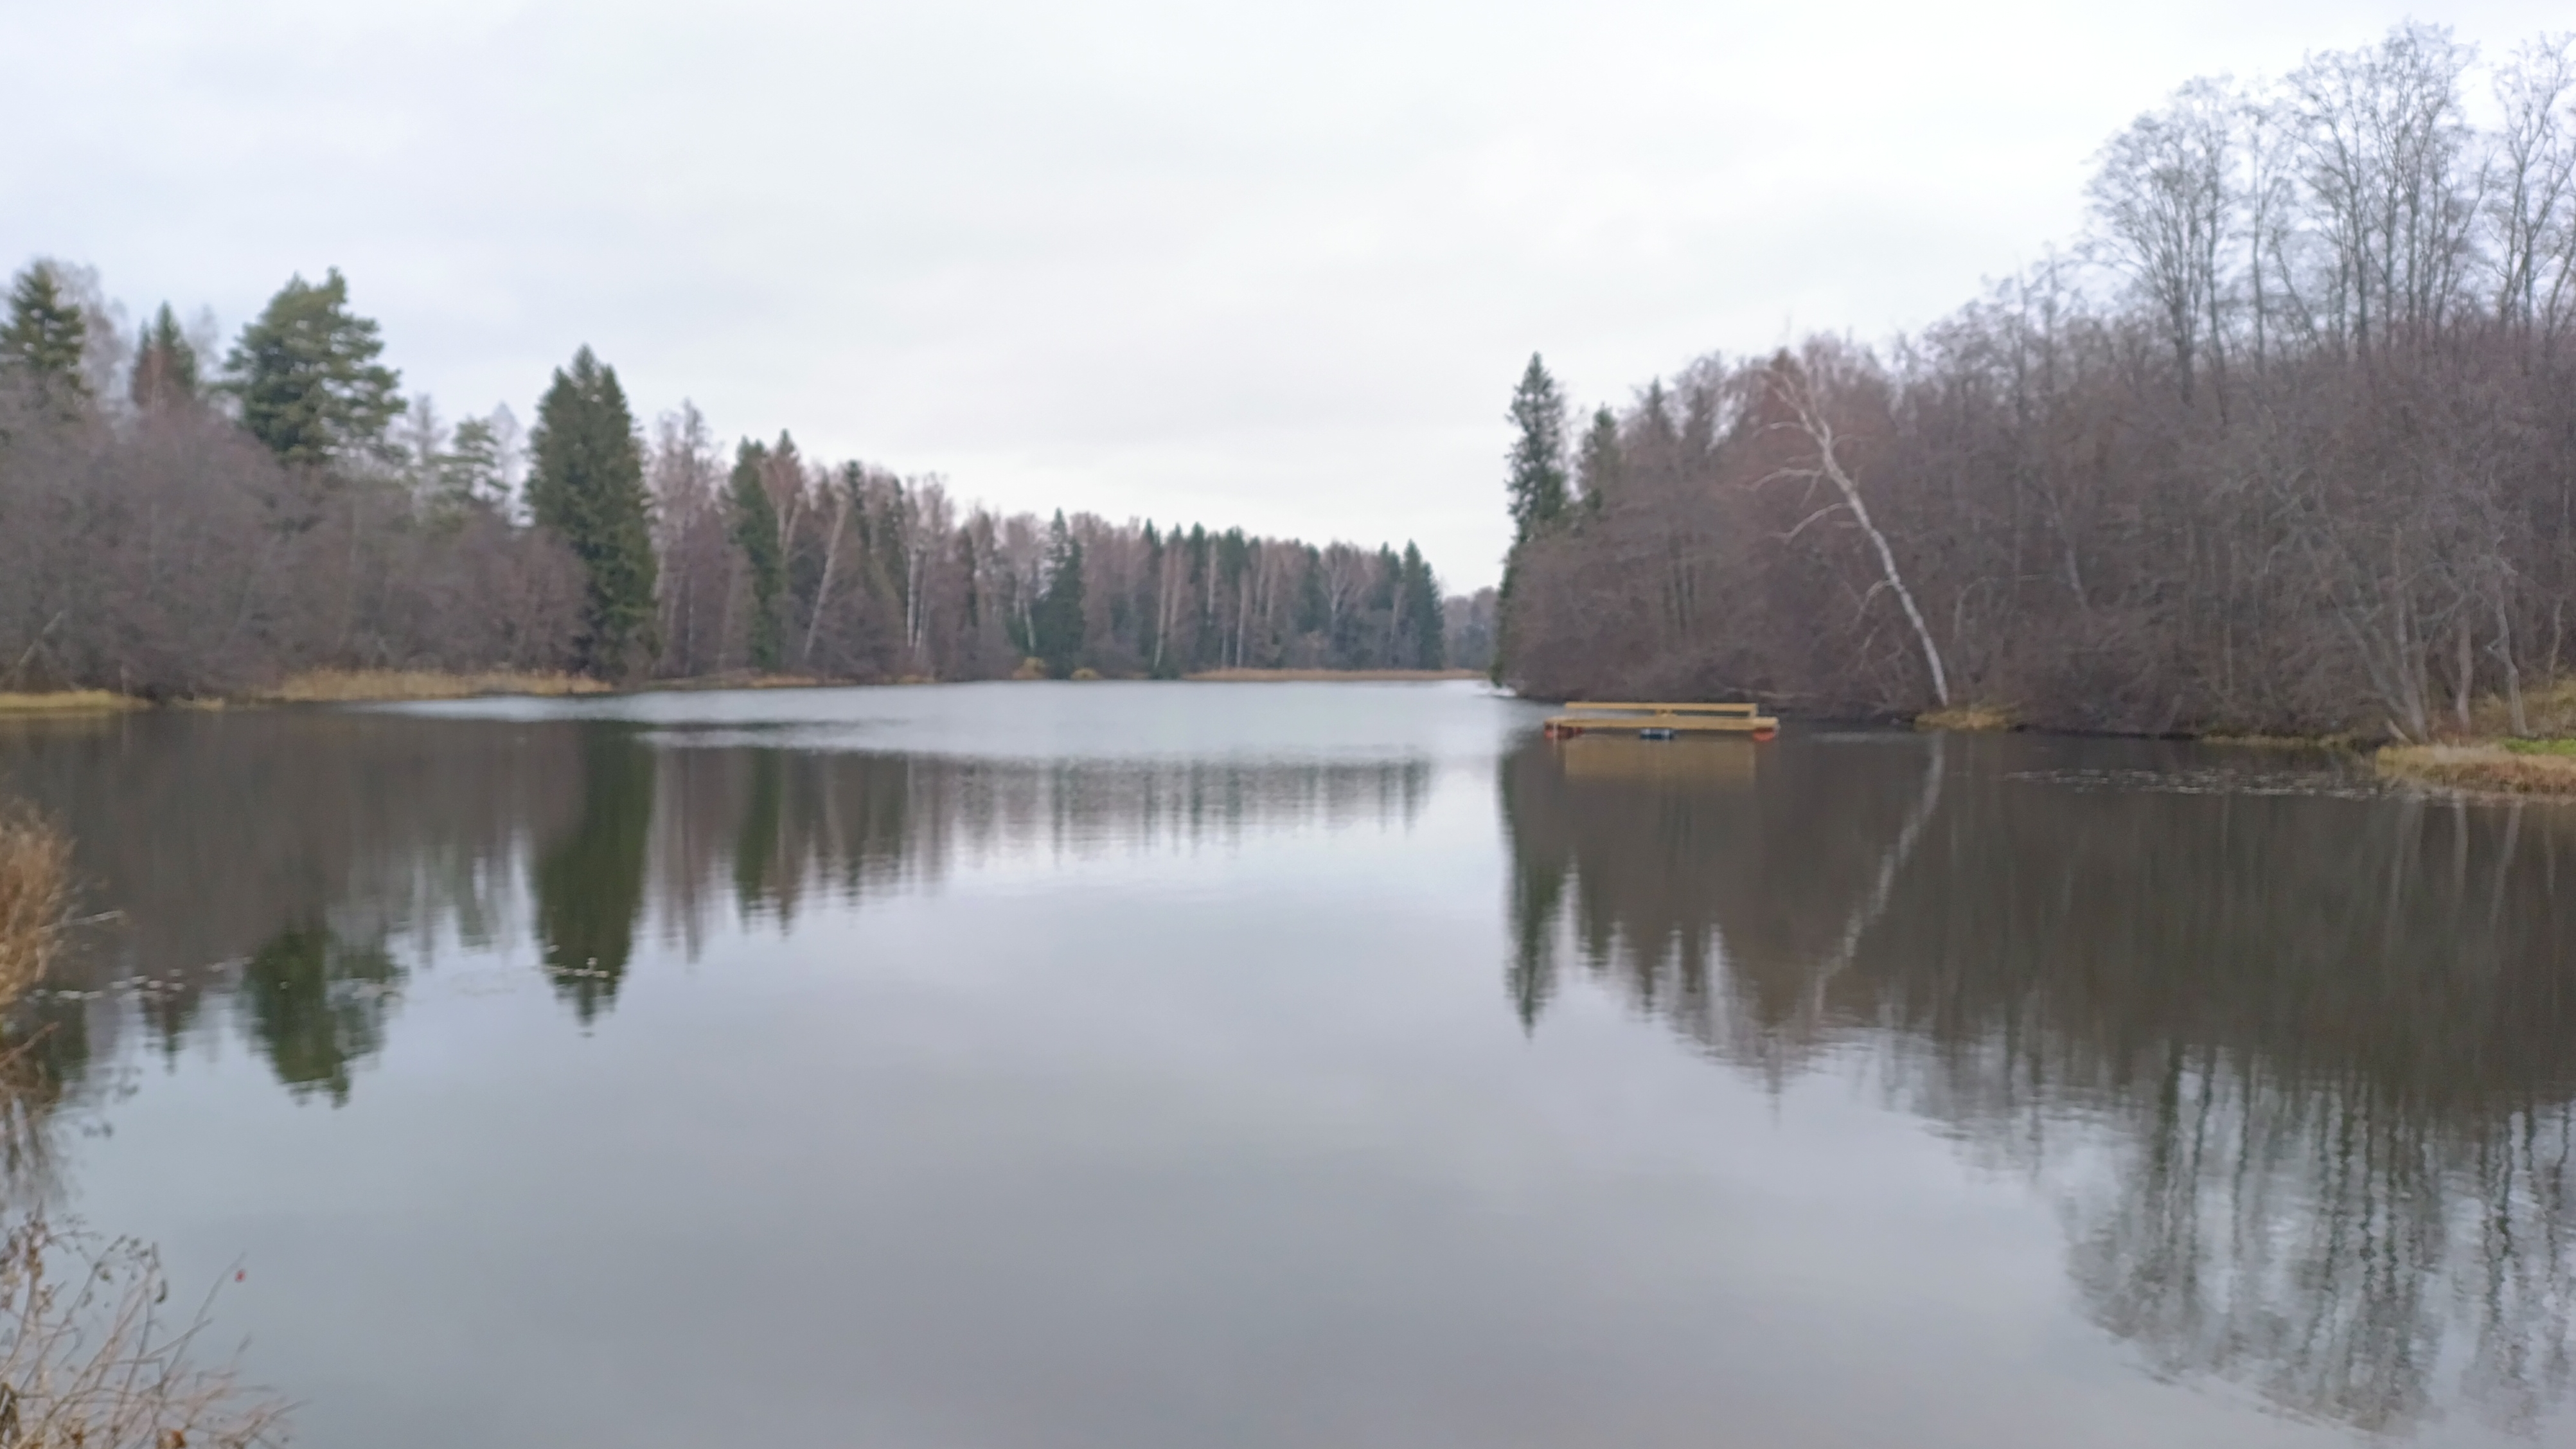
x=1661 y=721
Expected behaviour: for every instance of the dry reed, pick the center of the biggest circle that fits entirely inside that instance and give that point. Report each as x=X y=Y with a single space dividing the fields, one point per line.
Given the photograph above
x=90 y=1359
x=35 y=894
x=362 y=686
x=68 y=701
x=2491 y=769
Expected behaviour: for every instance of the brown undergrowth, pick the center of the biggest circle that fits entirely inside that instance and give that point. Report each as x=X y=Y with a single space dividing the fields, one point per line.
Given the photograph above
x=1968 y=718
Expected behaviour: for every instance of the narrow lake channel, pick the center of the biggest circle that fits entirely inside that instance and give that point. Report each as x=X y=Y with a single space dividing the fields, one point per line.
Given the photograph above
x=1141 y=1065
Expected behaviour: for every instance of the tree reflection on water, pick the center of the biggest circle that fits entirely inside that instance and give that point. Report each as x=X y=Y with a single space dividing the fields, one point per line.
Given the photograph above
x=2329 y=1038
x=307 y=866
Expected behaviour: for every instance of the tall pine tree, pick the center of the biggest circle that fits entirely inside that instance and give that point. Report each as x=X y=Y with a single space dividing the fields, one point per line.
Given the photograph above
x=1538 y=482
x=587 y=485
x=308 y=380
x=755 y=532
x=165 y=365
x=472 y=472
x=43 y=341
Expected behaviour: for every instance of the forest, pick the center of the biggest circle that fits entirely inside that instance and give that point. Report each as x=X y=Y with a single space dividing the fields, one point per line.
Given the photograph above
x=2285 y=443
x=175 y=524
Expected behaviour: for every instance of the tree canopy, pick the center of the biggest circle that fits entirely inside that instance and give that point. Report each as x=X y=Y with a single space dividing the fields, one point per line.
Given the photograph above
x=46 y=334
x=165 y=365
x=307 y=378
x=1537 y=482
x=755 y=532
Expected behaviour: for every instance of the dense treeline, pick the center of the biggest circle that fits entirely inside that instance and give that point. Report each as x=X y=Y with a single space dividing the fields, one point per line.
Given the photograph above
x=169 y=526
x=2311 y=464
x=775 y=562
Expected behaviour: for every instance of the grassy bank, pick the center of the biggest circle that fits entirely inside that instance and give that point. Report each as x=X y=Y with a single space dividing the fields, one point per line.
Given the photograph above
x=68 y=701
x=2504 y=767
x=1291 y=676
x=359 y=686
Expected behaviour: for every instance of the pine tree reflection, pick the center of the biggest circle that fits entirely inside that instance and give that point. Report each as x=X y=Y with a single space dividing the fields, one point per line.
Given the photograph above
x=590 y=885
x=303 y=864
x=2329 y=1042
x=316 y=1006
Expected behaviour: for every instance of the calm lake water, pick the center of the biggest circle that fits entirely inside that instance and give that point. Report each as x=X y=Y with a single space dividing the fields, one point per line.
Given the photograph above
x=1254 y=1065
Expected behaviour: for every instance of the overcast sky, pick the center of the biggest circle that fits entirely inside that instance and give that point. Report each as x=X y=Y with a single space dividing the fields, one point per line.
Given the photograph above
x=1274 y=264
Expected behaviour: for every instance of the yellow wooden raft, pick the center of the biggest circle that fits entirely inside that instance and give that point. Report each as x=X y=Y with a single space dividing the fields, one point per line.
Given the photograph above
x=1662 y=721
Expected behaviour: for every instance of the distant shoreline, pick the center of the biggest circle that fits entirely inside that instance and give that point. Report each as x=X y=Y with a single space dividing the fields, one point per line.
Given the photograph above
x=1326 y=676
x=416 y=686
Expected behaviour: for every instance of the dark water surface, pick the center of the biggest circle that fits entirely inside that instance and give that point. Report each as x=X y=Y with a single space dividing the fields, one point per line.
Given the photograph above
x=1143 y=1065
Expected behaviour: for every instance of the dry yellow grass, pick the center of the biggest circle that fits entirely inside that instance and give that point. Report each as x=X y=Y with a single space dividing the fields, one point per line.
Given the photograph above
x=35 y=896
x=2489 y=768
x=68 y=701
x=1301 y=676
x=353 y=686
x=1966 y=718
x=2344 y=741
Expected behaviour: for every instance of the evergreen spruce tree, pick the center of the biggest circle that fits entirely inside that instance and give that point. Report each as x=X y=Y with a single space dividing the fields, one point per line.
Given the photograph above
x=587 y=485
x=308 y=380
x=1421 y=604
x=43 y=341
x=755 y=532
x=1314 y=610
x=1059 y=613
x=1538 y=483
x=1597 y=461
x=165 y=366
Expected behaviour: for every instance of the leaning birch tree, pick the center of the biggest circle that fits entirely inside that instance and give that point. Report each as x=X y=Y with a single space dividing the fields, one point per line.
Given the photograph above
x=1798 y=409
